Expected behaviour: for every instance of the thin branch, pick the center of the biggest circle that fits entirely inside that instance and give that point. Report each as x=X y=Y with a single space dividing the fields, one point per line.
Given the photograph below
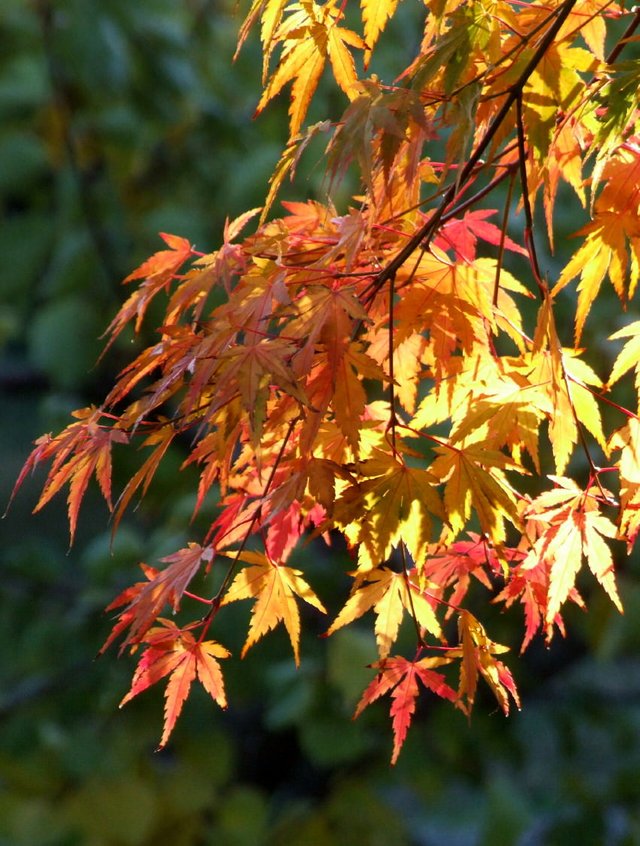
x=503 y=235
x=392 y=392
x=426 y=232
x=528 y=213
x=625 y=37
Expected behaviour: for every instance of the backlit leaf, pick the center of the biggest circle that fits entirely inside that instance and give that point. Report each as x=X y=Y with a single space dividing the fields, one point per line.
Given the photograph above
x=175 y=653
x=275 y=589
x=400 y=677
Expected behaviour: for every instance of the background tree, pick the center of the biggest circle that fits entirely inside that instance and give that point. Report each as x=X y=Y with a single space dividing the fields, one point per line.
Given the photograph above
x=321 y=306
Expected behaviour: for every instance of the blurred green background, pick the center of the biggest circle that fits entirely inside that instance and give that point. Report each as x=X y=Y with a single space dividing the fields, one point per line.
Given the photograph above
x=119 y=120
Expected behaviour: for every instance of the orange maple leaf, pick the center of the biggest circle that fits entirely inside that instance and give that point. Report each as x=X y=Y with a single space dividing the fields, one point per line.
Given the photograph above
x=158 y=272
x=162 y=439
x=146 y=600
x=175 y=653
x=476 y=652
x=81 y=450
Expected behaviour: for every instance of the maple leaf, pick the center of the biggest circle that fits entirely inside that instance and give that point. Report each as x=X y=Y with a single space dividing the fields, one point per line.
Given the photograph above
x=619 y=95
x=588 y=16
x=324 y=321
x=218 y=268
x=455 y=564
x=473 y=478
x=400 y=677
x=158 y=272
x=612 y=245
x=311 y=35
x=214 y=451
x=627 y=440
x=289 y=161
x=548 y=370
x=555 y=84
x=393 y=503
x=528 y=583
x=284 y=531
x=390 y=594
x=579 y=376
x=375 y=16
x=270 y=14
x=505 y=413
x=349 y=396
x=477 y=652
x=175 y=653
x=574 y=529
x=253 y=369
x=629 y=355
x=563 y=161
x=162 y=439
x=146 y=600
x=604 y=252
x=461 y=234
x=275 y=588
x=81 y=450
x=321 y=475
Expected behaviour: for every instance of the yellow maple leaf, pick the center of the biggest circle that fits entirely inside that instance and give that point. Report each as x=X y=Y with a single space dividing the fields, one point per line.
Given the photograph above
x=309 y=36
x=627 y=440
x=375 y=15
x=275 y=588
x=390 y=594
x=579 y=376
x=612 y=244
x=547 y=365
x=574 y=530
x=629 y=355
x=393 y=503
x=473 y=478
x=604 y=252
x=507 y=413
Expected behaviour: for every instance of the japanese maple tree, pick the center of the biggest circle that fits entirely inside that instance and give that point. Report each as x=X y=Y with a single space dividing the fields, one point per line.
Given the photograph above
x=393 y=371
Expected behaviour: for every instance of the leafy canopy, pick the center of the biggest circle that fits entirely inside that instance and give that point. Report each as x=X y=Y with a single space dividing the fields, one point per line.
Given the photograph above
x=394 y=372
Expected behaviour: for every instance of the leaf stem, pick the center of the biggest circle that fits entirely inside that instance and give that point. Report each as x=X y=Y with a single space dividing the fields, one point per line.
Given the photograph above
x=407 y=581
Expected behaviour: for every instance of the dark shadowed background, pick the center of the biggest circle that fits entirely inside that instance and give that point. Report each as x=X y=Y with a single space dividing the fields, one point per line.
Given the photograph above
x=118 y=120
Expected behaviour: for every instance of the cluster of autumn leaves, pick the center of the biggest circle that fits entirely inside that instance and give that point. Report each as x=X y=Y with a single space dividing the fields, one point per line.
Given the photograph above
x=381 y=373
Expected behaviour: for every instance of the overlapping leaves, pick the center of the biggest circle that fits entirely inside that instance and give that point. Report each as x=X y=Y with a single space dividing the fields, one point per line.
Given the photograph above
x=384 y=372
